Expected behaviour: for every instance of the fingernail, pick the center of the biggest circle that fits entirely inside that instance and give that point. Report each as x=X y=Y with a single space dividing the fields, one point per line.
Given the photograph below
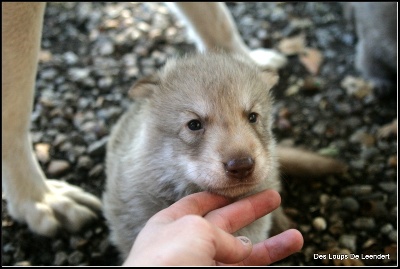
x=244 y=240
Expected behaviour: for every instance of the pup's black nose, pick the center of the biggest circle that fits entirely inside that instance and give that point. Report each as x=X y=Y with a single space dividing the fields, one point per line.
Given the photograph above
x=239 y=168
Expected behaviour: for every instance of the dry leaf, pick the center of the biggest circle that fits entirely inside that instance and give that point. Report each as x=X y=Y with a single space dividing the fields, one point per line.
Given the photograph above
x=356 y=87
x=388 y=129
x=311 y=59
x=292 y=45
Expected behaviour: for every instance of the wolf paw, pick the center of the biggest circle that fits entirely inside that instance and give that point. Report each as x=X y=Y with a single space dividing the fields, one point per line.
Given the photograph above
x=62 y=206
x=268 y=58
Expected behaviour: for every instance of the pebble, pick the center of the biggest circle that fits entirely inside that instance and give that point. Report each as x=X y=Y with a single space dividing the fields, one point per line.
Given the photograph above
x=78 y=74
x=77 y=242
x=392 y=161
x=58 y=245
x=42 y=152
x=348 y=241
x=48 y=74
x=324 y=199
x=58 y=167
x=76 y=258
x=105 y=83
x=106 y=48
x=319 y=223
x=97 y=148
x=364 y=223
x=60 y=259
x=84 y=162
x=70 y=58
x=350 y=204
x=96 y=171
x=368 y=153
x=387 y=228
x=357 y=190
x=23 y=263
x=393 y=236
x=388 y=187
x=60 y=138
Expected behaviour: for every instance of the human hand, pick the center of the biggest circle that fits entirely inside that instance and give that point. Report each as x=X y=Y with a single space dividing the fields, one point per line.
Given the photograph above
x=196 y=230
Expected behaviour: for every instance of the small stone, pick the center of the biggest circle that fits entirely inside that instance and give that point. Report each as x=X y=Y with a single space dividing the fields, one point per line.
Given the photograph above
x=357 y=190
x=98 y=147
x=348 y=241
x=324 y=199
x=70 y=58
x=358 y=164
x=364 y=223
x=77 y=242
x=369 y=243
x=393 y=236
x=319 y=128
x=96 y=171
x=305 y=228
x=388 y=187
x=392 y=161
x=58 y=245
x=106 y=48
x=48 y=74
x=368 y=153
x=23 y=263
x=312 y=83
x=319 y=223
x=356 y=87
x=283 y=124
x=60 y=138
x=58 y=167
x=60 y=258
x=84 y=162
x=387 y=228
x=76 y=258
x=45 y=56
x=388 y=129
x=292 y=90
x=105 y=83
x=42 y=152
x=78 y=73
x=350 y=204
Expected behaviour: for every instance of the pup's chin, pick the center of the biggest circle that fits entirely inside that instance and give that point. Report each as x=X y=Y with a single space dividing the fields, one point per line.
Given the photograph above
x=233 y=191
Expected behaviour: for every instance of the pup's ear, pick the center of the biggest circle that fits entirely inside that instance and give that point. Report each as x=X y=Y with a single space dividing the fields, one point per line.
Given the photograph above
x=270 y=77
x=144 y=87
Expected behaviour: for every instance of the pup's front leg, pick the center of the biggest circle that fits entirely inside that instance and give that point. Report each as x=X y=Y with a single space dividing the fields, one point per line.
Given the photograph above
x=43 y=204
x=215 y=29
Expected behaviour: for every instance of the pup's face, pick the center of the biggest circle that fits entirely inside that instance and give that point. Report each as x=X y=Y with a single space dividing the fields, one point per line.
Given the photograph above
x=212 y=119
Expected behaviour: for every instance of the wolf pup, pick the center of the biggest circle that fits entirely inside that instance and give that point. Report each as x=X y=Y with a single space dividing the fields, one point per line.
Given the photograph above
x=202 y=123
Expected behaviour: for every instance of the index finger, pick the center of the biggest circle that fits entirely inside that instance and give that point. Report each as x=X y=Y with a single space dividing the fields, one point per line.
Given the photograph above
x=243 y=212
x=195 y=204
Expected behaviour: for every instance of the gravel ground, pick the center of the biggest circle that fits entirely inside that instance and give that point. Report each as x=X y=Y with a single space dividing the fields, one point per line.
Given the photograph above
x=93 y=52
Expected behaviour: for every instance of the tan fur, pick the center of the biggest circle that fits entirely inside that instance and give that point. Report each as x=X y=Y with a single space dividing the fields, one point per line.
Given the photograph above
x=154 y=159
x=302 y=163
x=47 y=205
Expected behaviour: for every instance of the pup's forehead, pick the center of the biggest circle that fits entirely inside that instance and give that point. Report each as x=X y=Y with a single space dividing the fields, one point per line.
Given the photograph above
x=212 y=85
x=214 y=77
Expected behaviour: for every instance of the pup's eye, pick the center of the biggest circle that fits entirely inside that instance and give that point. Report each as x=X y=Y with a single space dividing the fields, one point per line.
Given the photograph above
x=195 y=125
x=253 y=117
